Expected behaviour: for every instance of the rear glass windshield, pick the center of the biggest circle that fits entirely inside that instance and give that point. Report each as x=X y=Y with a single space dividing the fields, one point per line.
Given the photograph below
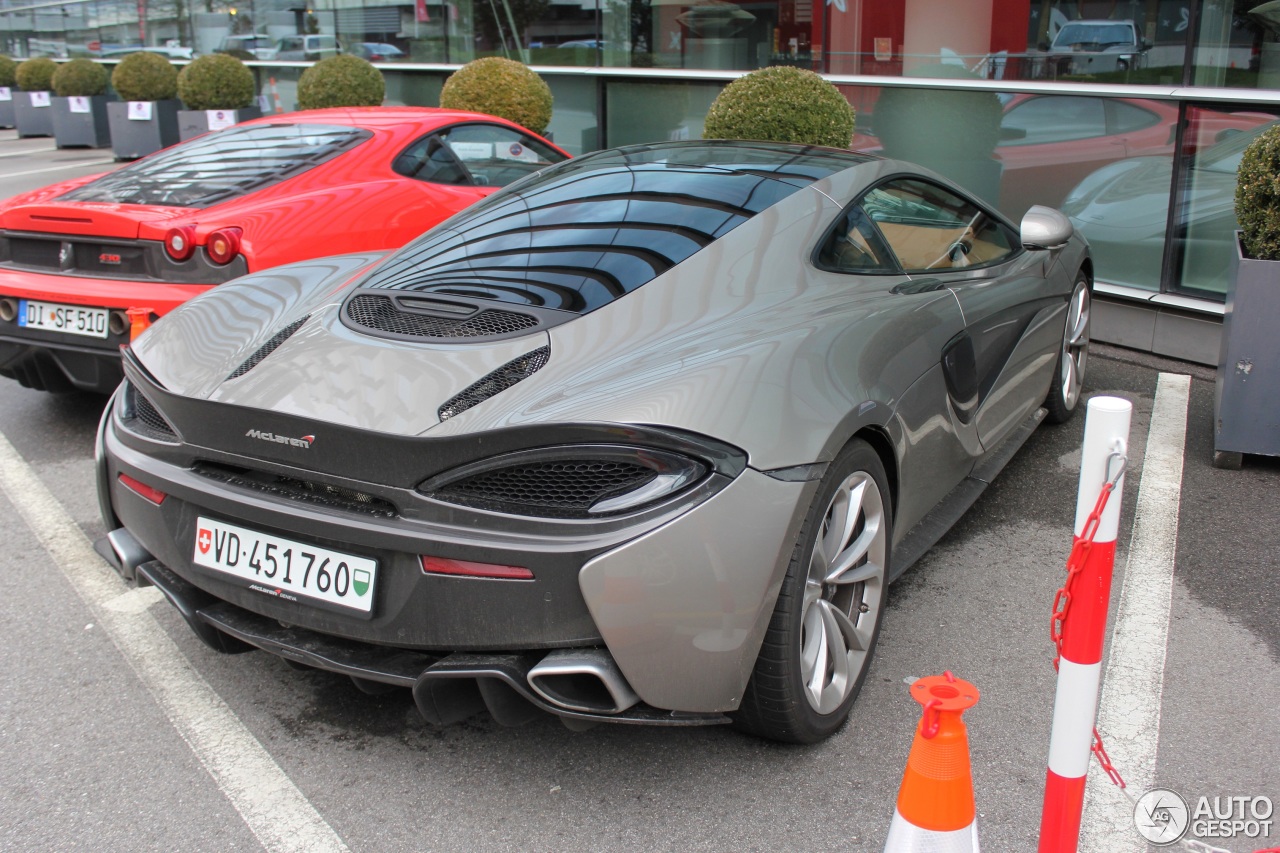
x=222 y=166
x=588 y=231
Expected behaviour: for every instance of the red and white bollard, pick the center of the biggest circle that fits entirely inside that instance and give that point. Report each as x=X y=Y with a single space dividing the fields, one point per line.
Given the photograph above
x=1084 y=598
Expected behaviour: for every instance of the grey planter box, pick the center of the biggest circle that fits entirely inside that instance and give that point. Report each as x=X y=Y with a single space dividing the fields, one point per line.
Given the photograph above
x=29 y=119
x=6 y=107
x=195 y=122
x=72 y=128
x=134 y=138
x=1247 y=394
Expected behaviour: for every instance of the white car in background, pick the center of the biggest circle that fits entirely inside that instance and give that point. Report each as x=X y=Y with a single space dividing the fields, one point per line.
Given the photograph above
x=1096 y=46
x=257 y=46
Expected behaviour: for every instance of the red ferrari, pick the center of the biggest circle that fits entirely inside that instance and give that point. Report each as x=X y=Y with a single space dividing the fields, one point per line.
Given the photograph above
x=87 y=264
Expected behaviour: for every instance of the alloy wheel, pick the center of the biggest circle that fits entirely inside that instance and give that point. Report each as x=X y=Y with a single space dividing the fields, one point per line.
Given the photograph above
x=1075 y=346
x=843 y=589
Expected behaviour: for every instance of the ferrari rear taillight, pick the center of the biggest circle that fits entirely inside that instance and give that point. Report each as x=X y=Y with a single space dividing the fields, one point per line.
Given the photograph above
x=223 y=245
x=180 y=243
x=152 y=494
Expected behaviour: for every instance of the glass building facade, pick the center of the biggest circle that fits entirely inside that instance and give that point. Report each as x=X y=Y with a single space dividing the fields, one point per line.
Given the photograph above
x=1130 y=115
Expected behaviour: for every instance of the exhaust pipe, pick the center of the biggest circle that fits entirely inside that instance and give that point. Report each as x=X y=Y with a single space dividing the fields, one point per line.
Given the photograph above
x=124 y=553
x=586 y=680
x=8 y=309
x=118 y=322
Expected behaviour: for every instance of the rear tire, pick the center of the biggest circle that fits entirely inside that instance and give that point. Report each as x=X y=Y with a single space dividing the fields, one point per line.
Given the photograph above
x=1068 y=374
x=825 y=623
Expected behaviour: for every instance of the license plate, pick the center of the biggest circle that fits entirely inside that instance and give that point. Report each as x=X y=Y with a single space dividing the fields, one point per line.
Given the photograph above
x=73 y=319
x=289 y=570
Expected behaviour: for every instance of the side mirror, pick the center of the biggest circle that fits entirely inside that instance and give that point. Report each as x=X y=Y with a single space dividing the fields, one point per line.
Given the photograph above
x=1045 y=228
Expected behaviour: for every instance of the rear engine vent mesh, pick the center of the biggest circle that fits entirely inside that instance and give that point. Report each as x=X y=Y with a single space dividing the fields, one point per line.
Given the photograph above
x=495 y=382
x=269 y=347
x=381 y=313
x=143 y=418
x=290 y=488
x=564 y=488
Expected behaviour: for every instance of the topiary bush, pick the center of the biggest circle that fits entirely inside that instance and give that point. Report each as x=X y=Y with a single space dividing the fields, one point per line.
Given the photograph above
x=8 y=69
x=216 y=82
x=35 y=75
x=341 y=81
x=79 y=78
x=145 y=77
x=781 y=104
x=500 y=87
x=1258 y=196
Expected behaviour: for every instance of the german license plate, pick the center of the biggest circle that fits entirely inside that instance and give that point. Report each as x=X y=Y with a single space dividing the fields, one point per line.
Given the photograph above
x=283 y=568
x=73 y=319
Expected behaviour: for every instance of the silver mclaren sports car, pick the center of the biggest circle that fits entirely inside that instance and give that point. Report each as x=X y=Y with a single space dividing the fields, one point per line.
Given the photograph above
x=641 y=438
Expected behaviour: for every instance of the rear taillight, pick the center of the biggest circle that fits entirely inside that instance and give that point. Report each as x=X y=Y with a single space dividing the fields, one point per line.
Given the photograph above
x=465 y=568
x=180 y=243
x=154 y=495
x=223 y=245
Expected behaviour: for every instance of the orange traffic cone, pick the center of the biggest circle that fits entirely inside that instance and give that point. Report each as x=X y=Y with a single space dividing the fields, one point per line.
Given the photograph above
x=935 y=803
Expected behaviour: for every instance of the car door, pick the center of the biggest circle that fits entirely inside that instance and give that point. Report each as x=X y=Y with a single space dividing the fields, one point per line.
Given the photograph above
x=998 y=369
x=900 y=353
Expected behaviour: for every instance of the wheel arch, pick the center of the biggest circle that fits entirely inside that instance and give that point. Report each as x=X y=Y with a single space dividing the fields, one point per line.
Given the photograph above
x=880 y=442
x=1086 y=267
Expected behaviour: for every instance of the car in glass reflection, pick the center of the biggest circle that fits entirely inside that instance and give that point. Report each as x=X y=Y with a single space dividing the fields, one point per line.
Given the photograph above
x=77 y=257
x=642 y=438
x=1122 y=209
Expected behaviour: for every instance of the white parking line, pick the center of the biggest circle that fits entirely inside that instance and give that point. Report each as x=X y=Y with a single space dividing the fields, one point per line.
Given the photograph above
x=1129 y=713
x=59 y=168
x=274 y=809
x=29 y=151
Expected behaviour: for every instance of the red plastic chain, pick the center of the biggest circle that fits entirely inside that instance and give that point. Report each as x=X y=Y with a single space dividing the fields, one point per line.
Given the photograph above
x=1075 y=562
x=1104 y=761
x=1062 y=602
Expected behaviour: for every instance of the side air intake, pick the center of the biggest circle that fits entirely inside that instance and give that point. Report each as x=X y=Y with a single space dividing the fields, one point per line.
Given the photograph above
x=495 y=382
x=266 y=349
x=140 y=416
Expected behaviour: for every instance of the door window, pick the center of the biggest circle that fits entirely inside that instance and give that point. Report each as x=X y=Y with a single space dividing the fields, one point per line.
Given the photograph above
x=930 y=228
x=486 y=155
x=854 y=246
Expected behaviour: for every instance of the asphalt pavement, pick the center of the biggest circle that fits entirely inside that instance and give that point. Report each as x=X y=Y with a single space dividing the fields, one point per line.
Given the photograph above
x=98 y=751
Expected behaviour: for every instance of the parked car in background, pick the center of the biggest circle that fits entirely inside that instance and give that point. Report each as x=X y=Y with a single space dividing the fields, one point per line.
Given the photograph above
x=1096 y=46
x=643 y=438
x=377 y=51
x=307 y=48
x=248 y=47
x=77 y=257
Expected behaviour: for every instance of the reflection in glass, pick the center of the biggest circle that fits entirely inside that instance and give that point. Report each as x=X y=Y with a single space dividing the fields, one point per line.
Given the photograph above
x=587 y=232
x=1123 y=208
x=1207 y=210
